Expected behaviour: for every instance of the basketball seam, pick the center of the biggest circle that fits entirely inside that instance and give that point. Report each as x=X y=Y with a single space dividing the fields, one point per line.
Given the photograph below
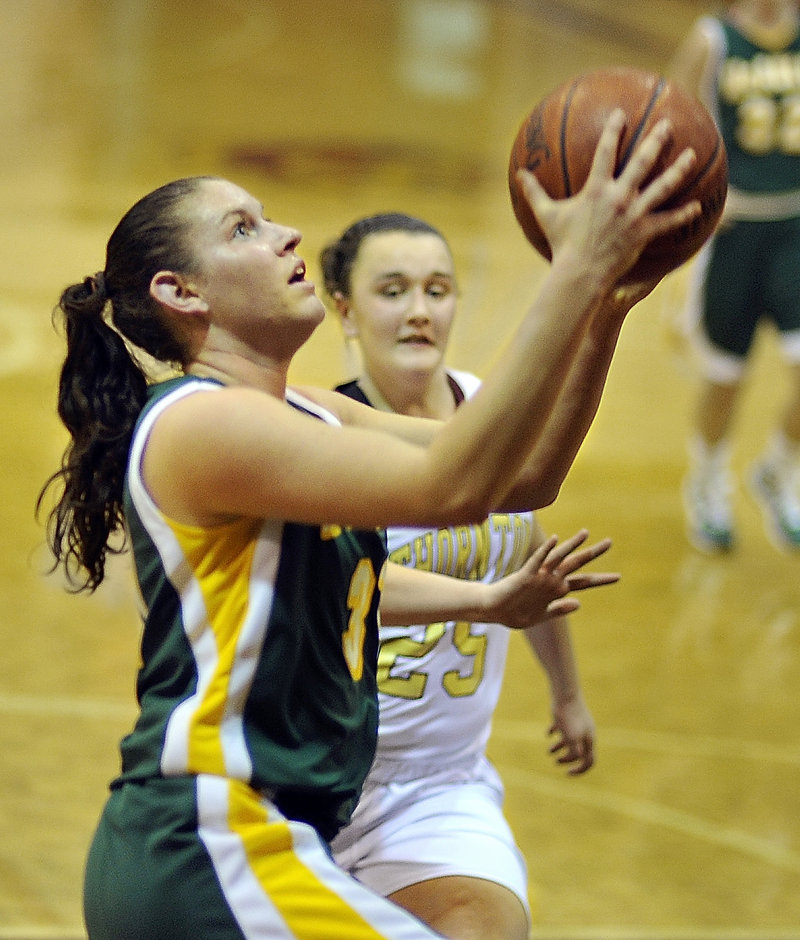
x=563 y=141
x=700 y=174
x=638 y=132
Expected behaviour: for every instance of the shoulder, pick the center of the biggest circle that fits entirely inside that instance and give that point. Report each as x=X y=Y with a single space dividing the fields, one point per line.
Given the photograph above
x=707 y=31
x=697 y=59
x=161 y=395
x=180 y=417
x=712 y=27
x=707 y=35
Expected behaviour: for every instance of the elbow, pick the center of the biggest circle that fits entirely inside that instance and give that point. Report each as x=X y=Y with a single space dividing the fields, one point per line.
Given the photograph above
x=467 y=501
x=473 y=508
x=467 y=509
x=464 y=507
x=547 y=495
x=527 y=503
x=531 y=495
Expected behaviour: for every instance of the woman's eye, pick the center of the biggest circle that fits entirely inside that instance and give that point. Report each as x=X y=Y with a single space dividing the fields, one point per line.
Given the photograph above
x=394 y=290
x=241 y=228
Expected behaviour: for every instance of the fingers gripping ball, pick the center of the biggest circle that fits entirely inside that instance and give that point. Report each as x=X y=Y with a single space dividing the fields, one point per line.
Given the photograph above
x=557 y=141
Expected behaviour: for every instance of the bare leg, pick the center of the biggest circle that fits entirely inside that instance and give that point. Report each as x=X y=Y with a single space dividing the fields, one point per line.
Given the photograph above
x=715 y=411
x=791 y=416
x=708 y=485
x=774 y=478
x=466 y=908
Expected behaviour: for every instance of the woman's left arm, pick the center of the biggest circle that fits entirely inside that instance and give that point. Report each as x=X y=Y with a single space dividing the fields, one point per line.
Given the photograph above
x=539 y=590
x=549 y=462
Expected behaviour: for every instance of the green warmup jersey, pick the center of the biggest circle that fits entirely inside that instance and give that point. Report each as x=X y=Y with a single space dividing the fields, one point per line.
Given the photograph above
x=259 y=647
x=757 y=99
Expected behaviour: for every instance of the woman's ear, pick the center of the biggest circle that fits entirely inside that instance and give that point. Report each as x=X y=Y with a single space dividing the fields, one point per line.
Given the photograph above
x=174 y=291
x=349 y=326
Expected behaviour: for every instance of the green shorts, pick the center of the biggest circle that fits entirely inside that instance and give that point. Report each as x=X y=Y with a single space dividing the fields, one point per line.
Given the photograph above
x=752 y=274
x=206 y=857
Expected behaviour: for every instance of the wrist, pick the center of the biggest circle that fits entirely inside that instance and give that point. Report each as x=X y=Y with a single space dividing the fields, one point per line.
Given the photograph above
x=482 y=599
x=565 y=697
x=584 y=282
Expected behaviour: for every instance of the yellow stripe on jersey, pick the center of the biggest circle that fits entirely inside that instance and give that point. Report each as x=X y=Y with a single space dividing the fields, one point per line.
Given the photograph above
x=310 y=908
x=221 y=560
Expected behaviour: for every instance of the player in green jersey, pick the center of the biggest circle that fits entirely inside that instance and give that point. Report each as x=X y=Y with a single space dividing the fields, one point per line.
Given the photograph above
x=251 y=511
x=745 y=65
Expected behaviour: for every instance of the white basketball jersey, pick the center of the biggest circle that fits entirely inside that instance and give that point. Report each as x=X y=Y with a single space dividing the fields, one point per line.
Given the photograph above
x=439 y=683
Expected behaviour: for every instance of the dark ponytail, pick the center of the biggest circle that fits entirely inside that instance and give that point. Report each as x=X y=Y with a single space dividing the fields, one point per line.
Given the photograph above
x=103 y=386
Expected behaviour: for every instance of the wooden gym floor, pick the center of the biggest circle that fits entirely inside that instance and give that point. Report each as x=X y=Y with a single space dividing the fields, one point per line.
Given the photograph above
x=688 y=828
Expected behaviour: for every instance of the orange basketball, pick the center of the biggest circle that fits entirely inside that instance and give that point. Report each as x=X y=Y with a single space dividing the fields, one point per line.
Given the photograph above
x=557 y=141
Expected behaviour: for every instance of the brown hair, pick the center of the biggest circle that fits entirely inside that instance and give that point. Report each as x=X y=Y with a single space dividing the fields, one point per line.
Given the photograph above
x=102 y=386
x=337 y=258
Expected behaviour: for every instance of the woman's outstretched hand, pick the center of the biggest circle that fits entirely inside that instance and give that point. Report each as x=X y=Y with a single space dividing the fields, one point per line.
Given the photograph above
x=543 y=586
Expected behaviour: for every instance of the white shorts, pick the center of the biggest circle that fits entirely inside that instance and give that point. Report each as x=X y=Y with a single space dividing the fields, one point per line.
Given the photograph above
x=444 y=823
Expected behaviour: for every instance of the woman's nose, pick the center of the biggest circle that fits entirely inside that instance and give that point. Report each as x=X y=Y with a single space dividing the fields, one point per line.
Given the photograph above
x=287 y=238
x=418 y=308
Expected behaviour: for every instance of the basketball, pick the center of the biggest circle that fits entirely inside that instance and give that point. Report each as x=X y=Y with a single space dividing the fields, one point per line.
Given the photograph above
x=557 y=141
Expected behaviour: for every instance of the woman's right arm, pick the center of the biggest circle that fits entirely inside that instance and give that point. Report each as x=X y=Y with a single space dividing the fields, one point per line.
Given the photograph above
x=242 y=452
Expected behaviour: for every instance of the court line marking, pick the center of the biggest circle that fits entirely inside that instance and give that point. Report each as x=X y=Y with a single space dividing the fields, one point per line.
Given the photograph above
x=656 y=814
x=42 y=933
x=503 y=728
x=20 y=704
x=665 y=933
x=644 y=811
x=665 y=742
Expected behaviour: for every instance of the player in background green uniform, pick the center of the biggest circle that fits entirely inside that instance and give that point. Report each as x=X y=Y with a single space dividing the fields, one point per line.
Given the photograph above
x=745 y=65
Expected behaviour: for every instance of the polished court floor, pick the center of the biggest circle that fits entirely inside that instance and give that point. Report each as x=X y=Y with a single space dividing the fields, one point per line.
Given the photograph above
x=689 y=826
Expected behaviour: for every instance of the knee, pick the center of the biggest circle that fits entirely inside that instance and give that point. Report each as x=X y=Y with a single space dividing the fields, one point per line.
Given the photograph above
x=480 y=910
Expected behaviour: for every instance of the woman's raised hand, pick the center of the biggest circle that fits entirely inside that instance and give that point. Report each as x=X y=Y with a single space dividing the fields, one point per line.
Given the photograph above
x=606 y=226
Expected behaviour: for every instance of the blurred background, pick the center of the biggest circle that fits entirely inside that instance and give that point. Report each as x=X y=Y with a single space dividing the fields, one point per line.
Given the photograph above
x=689 y=825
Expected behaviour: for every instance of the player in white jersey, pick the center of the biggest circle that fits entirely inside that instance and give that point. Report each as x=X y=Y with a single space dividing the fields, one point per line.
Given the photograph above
x=429 y=831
